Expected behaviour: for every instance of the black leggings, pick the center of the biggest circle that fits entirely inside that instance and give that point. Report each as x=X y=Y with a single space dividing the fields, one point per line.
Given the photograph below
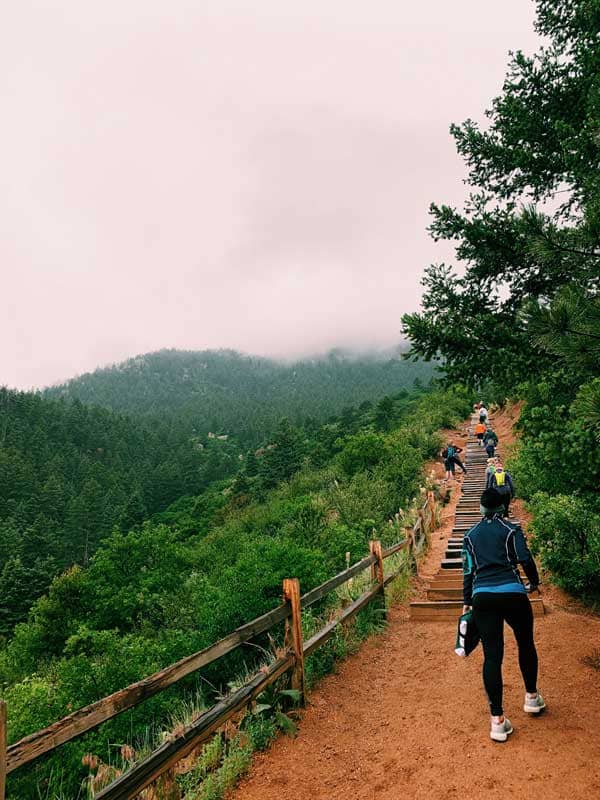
x=490 y=611
x=456 y=460
x=506 y=498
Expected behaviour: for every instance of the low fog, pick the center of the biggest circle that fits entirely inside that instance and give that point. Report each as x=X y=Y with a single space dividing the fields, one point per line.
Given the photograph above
x=229 y=174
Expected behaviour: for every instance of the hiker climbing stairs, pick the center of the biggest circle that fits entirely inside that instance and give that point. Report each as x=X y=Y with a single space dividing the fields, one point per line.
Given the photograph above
x=444 y=592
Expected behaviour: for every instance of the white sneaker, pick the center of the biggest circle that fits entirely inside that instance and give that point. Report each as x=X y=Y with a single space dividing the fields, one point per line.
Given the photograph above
x=501 y=730
x=533 y=705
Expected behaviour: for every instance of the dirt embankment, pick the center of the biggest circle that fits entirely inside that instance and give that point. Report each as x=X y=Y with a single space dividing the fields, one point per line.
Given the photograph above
x=406 y=718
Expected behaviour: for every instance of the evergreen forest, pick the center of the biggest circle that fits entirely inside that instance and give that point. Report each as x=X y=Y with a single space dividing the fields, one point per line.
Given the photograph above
x=225 y=392
x=174 y=423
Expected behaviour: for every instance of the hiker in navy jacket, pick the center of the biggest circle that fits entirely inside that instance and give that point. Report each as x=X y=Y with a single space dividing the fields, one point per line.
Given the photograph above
x=492 y=587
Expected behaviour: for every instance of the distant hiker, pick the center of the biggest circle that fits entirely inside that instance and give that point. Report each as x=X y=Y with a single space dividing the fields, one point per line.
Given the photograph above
x=483 y=414
x=480 y=429
x=492 y=587
x=491 y=468
x=451 y=459
x=502 y=482
x=490 y=442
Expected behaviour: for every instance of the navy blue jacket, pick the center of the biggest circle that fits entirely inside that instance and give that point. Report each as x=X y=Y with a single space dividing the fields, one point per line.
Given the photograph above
x=492 y=551
x=490 y=436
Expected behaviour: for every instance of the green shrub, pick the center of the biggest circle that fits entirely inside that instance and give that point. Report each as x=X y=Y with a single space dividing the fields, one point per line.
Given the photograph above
x=567 y=537
x=362 y=452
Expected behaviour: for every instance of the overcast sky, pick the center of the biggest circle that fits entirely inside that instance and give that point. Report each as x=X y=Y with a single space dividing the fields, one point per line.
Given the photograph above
x=222 y=173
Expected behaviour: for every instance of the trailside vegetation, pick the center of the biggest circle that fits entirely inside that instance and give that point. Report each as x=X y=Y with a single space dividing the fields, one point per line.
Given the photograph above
x=196 y=570
x=522 y=318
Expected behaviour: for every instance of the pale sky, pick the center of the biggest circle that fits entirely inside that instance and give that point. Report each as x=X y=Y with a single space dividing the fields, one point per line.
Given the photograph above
x=226 y=173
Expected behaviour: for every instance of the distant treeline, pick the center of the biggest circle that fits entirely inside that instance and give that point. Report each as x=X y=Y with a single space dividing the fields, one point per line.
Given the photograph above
x=229 y=393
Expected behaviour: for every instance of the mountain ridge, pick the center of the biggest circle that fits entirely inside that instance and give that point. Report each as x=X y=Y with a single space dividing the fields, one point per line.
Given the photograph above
x=231 y=392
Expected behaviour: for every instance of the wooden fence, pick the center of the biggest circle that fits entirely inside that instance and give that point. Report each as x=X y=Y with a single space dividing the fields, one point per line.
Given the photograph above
x=143 y=773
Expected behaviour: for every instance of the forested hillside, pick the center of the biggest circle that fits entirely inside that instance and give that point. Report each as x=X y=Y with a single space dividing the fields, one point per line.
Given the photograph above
x=70 y=474
x=226 y=392
x=528 y=301
x=209 y=562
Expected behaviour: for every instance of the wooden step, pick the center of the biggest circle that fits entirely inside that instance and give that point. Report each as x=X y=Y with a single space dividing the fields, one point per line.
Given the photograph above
x=448 y=583
x=427 y=610
x=451 y=563
x=449 y=593
x=439 y=585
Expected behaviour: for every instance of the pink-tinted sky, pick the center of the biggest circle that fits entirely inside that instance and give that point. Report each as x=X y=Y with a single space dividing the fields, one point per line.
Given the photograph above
x=222 y=173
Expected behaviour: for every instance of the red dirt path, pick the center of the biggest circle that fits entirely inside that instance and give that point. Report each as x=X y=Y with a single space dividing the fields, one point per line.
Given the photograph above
x=405 y=717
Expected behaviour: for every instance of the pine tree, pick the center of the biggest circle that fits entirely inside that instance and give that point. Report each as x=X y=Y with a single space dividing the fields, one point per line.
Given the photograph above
x=251 y=465
x=384 y=414
x=284 y=457
x=134 y=513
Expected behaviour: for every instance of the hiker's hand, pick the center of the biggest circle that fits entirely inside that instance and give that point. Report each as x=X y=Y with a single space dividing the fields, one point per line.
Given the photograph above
x=466 y=608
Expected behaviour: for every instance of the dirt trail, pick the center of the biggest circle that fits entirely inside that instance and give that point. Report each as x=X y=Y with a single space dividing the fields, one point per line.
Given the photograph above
x=405 y=717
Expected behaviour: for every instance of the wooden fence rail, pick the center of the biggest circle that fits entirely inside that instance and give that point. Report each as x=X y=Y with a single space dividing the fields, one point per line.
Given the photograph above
x=149 y=769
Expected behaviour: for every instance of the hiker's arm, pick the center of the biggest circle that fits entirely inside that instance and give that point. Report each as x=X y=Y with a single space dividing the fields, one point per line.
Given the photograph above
x=511 y=485
x=468 y=574
x=523 y=556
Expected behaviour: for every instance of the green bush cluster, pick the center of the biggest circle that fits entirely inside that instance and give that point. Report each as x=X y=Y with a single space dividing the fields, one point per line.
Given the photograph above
x=567 y=536
x=557 y=469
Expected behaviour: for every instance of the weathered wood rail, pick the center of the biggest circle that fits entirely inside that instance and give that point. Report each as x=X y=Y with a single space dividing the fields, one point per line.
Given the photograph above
x=143 y=773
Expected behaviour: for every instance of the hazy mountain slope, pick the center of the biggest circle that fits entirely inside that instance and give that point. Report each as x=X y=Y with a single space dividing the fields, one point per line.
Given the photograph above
x=224 y=391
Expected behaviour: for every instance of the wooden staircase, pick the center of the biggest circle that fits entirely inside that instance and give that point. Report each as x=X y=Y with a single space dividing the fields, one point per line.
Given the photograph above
x=444 y=593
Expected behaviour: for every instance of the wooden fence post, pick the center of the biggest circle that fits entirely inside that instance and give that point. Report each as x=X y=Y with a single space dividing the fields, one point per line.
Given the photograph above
x=431 y=498
x=291 y=593
x=3 y=748
x=415 y=535
x=376 y=550
x=423 y=535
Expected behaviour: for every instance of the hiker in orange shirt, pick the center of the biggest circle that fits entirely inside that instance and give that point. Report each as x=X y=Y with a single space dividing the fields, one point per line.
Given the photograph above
x=480 y=429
